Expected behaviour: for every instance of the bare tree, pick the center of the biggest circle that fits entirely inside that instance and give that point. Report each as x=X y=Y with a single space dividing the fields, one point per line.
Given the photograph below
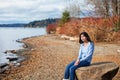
x=101 y=7
x=115 y=7
x=106 y=8
x=73 y=9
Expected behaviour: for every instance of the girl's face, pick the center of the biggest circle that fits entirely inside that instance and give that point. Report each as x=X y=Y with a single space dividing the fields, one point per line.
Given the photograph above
x=83 y=38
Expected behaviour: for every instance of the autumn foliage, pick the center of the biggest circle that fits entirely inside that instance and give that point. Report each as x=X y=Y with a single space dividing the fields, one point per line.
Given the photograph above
x=51 y=28
x=100 y=29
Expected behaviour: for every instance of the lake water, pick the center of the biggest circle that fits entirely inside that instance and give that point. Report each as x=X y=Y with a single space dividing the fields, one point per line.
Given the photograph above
x=9 y=35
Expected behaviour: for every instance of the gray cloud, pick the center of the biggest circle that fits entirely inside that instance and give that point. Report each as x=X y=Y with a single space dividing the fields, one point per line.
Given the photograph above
x=13 y=11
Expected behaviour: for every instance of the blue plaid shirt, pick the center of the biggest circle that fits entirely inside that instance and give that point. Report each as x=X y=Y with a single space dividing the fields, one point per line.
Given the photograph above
x=85 y=53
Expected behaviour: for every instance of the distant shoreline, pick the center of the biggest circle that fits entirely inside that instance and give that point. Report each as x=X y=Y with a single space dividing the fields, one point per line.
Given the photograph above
x=13 y=25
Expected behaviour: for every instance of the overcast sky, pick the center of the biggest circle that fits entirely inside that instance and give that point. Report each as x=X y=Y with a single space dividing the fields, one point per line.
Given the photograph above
x=24 y=11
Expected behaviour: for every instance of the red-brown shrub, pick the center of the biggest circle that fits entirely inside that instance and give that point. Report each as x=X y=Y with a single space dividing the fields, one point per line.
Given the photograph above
x=51 y=28
x=100 y=29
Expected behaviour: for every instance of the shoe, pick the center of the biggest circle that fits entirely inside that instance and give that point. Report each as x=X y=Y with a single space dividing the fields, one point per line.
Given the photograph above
x=65 y=79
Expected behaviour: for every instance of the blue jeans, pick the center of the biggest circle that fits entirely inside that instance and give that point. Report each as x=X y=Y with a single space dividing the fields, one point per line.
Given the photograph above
x=70 y=69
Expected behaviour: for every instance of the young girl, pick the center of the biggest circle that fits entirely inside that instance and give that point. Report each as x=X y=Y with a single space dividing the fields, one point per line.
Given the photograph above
x=84 y=59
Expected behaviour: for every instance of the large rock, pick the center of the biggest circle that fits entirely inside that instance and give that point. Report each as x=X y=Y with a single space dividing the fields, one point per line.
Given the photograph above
x=97 y=71
x=3 y=67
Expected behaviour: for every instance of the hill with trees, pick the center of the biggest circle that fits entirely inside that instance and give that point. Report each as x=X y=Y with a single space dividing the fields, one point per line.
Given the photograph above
x=13 y=25
x=41 y=23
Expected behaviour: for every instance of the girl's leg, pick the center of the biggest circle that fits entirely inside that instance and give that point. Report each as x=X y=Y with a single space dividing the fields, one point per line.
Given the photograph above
x=73 y=68
x=67 y=70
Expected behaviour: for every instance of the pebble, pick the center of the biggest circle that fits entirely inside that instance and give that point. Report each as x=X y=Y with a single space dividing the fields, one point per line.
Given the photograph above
x=118 y=50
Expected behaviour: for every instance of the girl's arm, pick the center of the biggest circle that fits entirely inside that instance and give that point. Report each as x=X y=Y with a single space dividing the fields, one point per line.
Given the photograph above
x=80 y=52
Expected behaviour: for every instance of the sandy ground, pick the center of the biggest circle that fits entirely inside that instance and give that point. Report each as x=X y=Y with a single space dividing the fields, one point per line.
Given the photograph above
x=49 y=54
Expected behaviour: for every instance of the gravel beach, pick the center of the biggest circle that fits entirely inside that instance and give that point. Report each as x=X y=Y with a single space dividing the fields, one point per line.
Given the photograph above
x=48 y=55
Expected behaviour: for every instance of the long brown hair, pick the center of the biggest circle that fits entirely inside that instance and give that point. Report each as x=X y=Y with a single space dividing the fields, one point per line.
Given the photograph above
x=86 y=35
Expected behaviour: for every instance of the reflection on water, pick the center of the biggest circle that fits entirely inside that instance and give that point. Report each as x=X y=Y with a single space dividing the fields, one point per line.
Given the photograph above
x=8 y=37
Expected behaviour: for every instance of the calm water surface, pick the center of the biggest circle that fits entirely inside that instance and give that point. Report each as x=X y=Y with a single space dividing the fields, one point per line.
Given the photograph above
x=8 y=37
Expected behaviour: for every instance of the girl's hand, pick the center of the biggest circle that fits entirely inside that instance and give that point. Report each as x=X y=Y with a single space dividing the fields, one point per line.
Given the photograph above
x=77 y=62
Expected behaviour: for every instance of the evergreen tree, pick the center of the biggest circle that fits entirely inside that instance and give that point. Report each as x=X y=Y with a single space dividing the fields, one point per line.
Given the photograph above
x=65 y=17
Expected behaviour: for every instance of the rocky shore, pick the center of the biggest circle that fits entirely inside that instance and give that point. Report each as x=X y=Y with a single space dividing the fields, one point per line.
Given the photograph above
x=47 y=56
